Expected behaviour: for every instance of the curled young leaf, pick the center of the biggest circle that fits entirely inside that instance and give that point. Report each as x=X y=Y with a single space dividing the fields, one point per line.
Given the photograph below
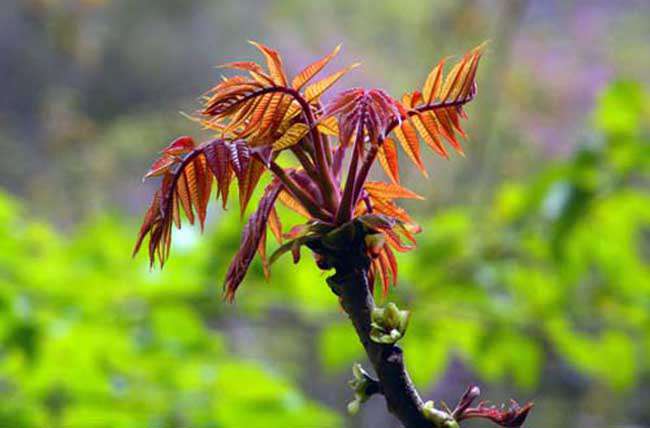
x=363 y=112
x=253 y=233
x=512 y=416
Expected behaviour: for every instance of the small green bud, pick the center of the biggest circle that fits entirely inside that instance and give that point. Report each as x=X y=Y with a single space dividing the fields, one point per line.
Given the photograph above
x=359 y=385
x=377 y=314
x=403 y=323
x=359 y=382
x=353 y=407
x=438 y=417
x=388 y=325
x=391 y=314
x=358 y=372
x=395 y=335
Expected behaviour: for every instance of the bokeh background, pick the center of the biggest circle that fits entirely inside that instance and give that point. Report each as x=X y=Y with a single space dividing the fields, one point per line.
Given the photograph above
x=532 y=276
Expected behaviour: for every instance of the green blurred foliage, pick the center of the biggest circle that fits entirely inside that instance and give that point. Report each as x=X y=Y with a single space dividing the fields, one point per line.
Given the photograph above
x=90 y=338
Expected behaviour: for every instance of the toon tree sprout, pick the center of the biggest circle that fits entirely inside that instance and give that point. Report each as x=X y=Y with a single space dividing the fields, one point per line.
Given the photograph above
x=353 y=225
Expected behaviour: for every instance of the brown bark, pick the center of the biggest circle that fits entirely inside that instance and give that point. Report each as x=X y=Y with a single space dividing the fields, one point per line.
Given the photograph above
x=350 y=283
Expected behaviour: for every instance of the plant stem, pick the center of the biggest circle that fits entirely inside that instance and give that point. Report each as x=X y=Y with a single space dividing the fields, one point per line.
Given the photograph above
x=363 y=172
x=344 y=213
x=402 y=399
x=330 y=192
x=328 y=149
x=350 y=284
x=305 y=162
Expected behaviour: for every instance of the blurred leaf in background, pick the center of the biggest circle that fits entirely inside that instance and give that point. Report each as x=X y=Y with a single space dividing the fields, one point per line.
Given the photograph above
x=90 y=338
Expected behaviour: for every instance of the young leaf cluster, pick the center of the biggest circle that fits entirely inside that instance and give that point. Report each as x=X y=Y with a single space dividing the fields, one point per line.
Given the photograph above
x=260 y=112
